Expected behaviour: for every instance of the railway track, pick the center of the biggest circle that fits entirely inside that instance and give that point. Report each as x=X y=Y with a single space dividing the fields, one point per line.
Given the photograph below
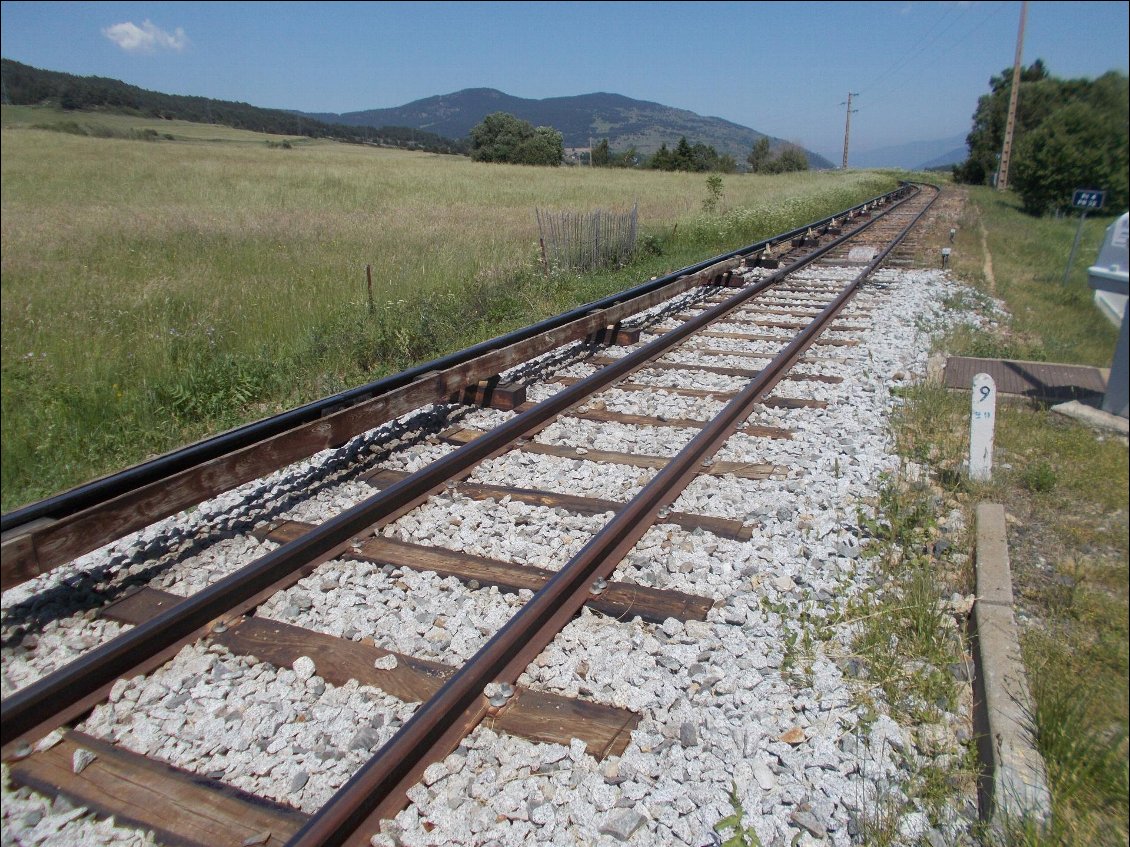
x=445 y=548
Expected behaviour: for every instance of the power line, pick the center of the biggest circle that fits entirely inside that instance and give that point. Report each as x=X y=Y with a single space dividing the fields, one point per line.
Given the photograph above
x=915 y=53
x=997 y=9
x=910 y=52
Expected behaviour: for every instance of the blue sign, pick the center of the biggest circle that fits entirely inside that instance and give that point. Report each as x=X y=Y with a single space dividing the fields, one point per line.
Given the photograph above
x=1087 y=198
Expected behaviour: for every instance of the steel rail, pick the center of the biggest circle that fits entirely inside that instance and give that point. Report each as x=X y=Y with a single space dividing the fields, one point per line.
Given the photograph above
x=105 y=488
x=379 y=789
x=75 y=687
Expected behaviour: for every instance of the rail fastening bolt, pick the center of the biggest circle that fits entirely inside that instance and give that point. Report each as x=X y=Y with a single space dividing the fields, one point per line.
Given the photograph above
x=498 y=693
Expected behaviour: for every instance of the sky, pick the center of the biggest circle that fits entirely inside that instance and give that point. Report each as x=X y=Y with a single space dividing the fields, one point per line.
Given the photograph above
x=782 y=68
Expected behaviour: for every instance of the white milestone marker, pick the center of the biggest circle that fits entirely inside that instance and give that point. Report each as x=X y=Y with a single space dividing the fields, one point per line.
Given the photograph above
x=981 y=427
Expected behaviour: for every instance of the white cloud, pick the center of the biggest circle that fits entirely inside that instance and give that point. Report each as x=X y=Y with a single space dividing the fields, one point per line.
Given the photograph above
x=146 y=38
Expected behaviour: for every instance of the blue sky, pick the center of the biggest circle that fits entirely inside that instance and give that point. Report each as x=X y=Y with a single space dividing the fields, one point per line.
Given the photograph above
x=781 y=68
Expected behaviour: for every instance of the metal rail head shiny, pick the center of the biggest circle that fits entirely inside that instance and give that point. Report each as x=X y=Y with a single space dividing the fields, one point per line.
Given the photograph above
x=378 y=789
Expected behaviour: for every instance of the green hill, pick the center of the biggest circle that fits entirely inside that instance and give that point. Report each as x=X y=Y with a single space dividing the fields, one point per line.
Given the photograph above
x=23 y=85
x=623 y=121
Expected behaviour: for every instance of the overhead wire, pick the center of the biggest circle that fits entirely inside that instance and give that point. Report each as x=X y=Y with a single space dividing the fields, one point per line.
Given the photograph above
x=911 y=52
x=994 y=10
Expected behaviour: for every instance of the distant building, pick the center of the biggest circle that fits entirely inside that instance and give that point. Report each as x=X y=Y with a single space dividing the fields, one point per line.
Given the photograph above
x=577 y=155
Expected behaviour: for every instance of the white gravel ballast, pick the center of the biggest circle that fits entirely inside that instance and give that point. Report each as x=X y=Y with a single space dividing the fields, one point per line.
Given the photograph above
x=728 y=719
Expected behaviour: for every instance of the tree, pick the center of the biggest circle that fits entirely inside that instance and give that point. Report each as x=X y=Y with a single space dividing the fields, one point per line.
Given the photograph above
x=544 y=147
x=759 y=156
x=630 y=158
x=501 y=137
x=713 y=194
x=662 y=160
x=1040 y=95
x=697 y=158
x=791 y=158
x=601 y=155
x=1069 y=134
x=684 y=156
x=1072 y=149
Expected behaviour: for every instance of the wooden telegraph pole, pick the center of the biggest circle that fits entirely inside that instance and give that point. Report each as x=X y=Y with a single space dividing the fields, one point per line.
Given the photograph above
x=1006 y=151
x=847 y=124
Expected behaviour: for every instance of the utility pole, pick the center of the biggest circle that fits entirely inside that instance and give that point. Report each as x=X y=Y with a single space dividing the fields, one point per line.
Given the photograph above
x=1006 y=151
x=847 y=124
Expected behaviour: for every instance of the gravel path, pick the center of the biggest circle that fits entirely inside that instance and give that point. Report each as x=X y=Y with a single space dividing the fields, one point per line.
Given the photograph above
x=726 y=707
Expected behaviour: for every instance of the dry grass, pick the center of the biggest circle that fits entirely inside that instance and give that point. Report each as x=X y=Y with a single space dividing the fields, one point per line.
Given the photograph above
x=157 y=291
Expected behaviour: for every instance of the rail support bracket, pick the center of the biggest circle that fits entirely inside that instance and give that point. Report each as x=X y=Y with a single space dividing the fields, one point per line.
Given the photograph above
x=491 y=393
x=613 y=335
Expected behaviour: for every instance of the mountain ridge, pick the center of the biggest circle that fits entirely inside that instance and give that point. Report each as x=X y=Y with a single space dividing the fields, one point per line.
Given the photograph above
x=624 y=121
x=913 y=155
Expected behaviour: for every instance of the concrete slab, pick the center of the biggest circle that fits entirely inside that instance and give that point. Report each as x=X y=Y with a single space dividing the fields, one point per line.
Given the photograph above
x=861 y=255
x=1014 y=782
x=1093 y=417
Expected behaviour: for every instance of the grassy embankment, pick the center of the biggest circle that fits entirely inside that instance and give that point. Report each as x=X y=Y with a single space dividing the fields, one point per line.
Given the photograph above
x=1065 y=490
x=158 y=291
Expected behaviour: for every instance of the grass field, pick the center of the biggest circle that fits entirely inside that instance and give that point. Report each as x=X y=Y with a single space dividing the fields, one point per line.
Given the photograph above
x=155 y=291
x=1065 y=489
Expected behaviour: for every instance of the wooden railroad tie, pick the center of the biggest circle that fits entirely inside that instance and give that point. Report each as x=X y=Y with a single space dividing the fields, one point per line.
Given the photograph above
x=179 y=806
x=741 y=373
x=742 y=470
x=537 y=716
x=773 y=321
x=618 y=600
x=722 y=527
x=707 y=394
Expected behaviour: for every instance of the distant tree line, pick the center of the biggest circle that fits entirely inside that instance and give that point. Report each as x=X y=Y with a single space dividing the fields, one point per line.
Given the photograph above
x=696 y=158
x=27 y=86
x=701 y=158
x=1069 y=134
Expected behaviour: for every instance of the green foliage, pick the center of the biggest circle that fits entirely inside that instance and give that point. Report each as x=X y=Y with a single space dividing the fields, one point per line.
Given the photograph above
x=762 y=161
x=791 y=158
x=760 y=156
x=601 y=155
x=1082 y=145
x=697 y=158
x=714 y=194
x=741 y=836
x=25 y=85
x=987 y=135
x=1069 y=134
x=1039 y=477
x=503 y=138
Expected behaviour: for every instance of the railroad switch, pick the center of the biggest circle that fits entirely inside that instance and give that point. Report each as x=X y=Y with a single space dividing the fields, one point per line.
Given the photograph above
x=492 y=394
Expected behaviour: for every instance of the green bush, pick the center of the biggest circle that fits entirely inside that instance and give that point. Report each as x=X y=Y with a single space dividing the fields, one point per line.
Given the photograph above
x=503 y=138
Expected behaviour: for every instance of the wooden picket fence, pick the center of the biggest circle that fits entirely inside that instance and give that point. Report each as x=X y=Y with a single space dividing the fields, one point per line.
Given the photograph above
x=585 y=241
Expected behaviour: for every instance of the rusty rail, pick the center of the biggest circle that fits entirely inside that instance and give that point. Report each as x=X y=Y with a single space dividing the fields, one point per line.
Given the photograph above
x=378 y=790
x=73 y=689
x=50 y=532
